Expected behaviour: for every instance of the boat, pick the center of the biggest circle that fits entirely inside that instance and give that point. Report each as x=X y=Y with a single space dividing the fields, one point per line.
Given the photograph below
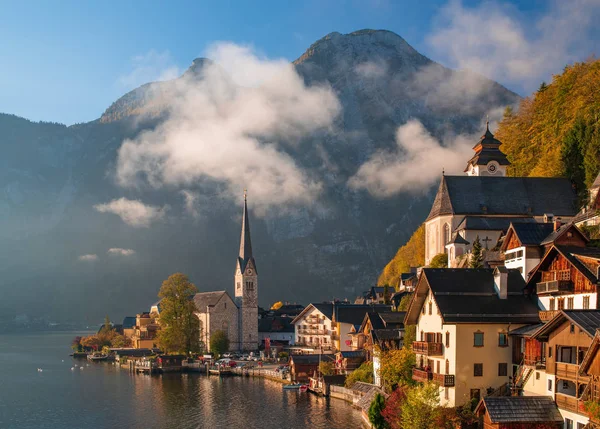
x=292 y=386
x=97 y=357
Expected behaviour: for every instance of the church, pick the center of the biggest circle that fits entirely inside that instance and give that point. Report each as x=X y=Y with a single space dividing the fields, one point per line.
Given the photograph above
x=238 y=316
x=484 y=202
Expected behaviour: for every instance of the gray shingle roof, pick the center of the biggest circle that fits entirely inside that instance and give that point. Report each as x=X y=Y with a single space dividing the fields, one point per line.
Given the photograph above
x=588 y=320
x=532 y=233
x=553 y=235
x=129 y=322
x=354 y=314
x=489 y=223
x=516 y=196
x=521 y=409
x=204 y=299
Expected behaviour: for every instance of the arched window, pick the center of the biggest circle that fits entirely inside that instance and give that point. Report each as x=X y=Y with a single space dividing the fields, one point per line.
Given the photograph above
x=446 y=233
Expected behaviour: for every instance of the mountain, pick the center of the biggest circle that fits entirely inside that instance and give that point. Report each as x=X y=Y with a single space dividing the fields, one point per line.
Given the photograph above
x=53 y=175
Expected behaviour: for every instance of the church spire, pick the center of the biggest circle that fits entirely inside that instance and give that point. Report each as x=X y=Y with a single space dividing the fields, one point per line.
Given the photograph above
x=245 y=241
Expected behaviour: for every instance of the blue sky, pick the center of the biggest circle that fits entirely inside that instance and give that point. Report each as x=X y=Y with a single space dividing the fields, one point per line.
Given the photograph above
x=67 y=61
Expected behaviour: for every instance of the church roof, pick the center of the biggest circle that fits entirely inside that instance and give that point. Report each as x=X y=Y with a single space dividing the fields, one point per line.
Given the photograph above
x=205 y=299
x=516 y=196
x=483 y=223
x=245 y=242
x=488 y=149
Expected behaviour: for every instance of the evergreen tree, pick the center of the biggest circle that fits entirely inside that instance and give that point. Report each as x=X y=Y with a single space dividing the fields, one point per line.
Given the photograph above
x=386 y=294
x=476 y=255
x=572 y=155
x=543 y=87
x=375 y=410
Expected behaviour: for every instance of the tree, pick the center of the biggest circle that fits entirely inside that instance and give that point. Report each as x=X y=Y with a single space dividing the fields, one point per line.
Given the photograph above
x=404 y=302
x=410 y=336
x=476 y=255
x=392 y=411
x=180 y=327
x=219 y=343
x=375 y=416
x=439 y=261
x=412 y=254
x=326 y=368
x=363 y=373
x=396 y=367
x=421 y=408
x=386 y=294
x=277 y=305
x=107 y=325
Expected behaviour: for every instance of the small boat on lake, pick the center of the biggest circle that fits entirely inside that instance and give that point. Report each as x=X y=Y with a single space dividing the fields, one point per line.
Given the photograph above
x=97 y=357
x=292 y=386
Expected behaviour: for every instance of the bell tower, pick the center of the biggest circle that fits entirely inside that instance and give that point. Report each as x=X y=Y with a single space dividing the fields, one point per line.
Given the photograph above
x=246 y=288
x=488 y=160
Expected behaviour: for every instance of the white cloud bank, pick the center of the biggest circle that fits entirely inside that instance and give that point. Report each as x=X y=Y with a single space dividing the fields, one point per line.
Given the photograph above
x=228 y=128
x=133 y=212
x=415 y=165
x=120 y=252
x=88 y=258
x=493 y=39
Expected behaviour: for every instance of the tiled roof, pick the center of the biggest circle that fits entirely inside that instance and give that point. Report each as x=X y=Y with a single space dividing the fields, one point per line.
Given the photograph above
x=469 y=296
x=516 y=196
x=587 y=320
x=532 y=233
x=521 y=409
x=393 y=318
x=354 y=314
x=490 y=223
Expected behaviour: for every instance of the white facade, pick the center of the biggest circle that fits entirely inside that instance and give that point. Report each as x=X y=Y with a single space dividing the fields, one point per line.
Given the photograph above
x=313 y=329
x=581 y=301
x=278 y=336
x=492 y=168
x=516 y=258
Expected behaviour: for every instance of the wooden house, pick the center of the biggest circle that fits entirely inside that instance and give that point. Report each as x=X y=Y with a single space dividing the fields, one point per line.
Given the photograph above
x=518 y=412
x=302 y=367
x=590 y=367
x=170 y=363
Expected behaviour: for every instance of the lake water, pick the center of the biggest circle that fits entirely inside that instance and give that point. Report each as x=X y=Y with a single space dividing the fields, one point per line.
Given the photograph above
x=103 y=396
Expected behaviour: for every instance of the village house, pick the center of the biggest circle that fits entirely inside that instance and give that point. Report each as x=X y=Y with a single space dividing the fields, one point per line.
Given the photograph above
x=302 y=367
x=463 y=318
x=565 y=340
x=485 y=202
x=590 y=214
x=145 y=331
x=277 y=329
x=519 y=412
x=590 y=367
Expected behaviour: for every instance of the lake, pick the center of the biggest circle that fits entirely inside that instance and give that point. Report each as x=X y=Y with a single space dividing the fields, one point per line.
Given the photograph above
x=103 y=396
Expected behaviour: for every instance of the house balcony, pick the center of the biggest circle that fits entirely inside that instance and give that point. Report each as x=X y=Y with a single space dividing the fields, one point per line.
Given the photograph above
x=570 y=403
x=569 y=371
x=421 y=375
x=534 y=361
x=428 y=349
x=444 y=380
x=547 y=315
x=554 y=286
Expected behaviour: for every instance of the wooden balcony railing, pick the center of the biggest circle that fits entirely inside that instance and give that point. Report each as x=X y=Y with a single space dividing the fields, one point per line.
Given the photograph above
x=444 y=380
x=428 y=349
x=569 y=371
x=547 y=315
x=535 y=361
x=554 y=286
x=570 y=403
x=421 y=375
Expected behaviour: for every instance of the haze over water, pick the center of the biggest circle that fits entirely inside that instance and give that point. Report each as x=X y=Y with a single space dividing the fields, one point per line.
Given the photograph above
x=103 y=396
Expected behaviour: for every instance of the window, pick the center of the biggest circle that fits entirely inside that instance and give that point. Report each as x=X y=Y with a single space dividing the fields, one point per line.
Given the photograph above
x=446 y=233
x=478 y=339
x=568 y=424
x=580 y=425
x=586 y=302
x=423 y=309
x=502 y=369
x=561 y=303
x=430 y=306
x=572 y=328
x=552 y=304
x=537 y=375
x=502 y=339
x=550 y=352
x=239 y=285
x=250 y=285
x=550 y=385
x=478 y=370
x=447 y=339
x=437 y=366
x=570 y=303
x=446 y=395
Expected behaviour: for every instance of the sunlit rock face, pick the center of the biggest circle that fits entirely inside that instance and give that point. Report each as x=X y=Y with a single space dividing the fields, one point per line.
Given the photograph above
x=52 y=176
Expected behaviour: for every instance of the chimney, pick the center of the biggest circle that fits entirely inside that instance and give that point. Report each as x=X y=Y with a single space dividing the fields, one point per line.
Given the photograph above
x=557 y=223
x=501 y=282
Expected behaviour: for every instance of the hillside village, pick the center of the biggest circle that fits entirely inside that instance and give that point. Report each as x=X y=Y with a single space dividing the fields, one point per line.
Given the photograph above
x=503 y=316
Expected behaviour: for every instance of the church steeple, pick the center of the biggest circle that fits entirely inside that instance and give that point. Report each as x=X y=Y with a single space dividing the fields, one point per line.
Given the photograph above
x=488 y=160
x=245 y=255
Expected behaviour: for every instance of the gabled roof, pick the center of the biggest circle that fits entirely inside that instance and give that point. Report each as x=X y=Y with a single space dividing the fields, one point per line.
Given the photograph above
x=393 y=318
x=555 y=235
x=458 y=239
x=129 y=322
x=512 y=196
x=488 y=149
x=571 y=254
x=206 y=299
x=587 y=320
x=483 y=223
x=326 y=308
x=520 y=409
x=469 y=296
x=407 y=276
x=526 y=331
x=354 y=313
x=275 y=324
x=590 y=354
x=528 y=233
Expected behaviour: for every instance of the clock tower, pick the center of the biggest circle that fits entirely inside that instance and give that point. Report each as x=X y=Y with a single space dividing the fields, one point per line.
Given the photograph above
x=488 y=160
x=246 y=288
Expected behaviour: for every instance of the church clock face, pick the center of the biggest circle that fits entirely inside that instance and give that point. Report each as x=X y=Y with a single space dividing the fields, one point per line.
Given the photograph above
x=492 y=168
x=249 y=271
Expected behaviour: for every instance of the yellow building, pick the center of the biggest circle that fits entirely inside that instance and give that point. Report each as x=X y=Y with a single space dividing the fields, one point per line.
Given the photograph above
x=463 y=319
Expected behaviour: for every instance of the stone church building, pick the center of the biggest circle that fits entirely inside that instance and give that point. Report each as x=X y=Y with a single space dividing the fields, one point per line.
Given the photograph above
x=237 y=317
x=485 y=201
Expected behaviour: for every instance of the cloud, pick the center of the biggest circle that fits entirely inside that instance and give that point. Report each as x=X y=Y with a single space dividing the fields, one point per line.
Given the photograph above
x=372 y=69
x=494 y=40
x=416 y=164
x=133 y=212
x=191 y=202
x=230 y=127
x=120 y=252
x=150 y=67
x=90 y=257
